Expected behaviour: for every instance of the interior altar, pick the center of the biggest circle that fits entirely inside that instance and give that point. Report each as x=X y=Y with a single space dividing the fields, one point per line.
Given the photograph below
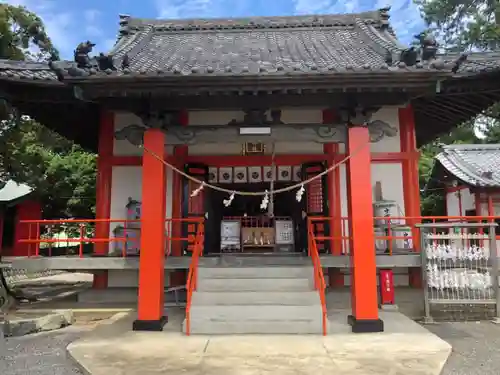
x=257 y=234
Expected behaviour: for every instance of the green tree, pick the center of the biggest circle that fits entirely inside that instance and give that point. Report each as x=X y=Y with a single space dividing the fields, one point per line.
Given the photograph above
x=20 y=30
x=463 y=24
x=62 y=174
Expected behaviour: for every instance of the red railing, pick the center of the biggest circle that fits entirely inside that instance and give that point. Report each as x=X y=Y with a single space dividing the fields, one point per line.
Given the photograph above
x=43 y=235
x=192 y=278
x=319 y=279
x=387 y=239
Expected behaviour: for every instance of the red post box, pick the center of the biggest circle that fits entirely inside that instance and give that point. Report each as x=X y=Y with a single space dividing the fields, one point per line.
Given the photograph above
x=386 y=287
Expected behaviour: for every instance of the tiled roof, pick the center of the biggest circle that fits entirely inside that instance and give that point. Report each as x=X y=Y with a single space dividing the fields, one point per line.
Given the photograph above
x=257 y=46
x=12 y=191
x=476 y=164
x=345 y=43
x=21 y=70
x=476 y=62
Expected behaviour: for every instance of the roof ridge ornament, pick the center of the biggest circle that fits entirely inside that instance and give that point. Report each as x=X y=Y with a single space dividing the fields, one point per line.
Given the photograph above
x=83 y=65
x=384 y=17
x=124 y=23
x=426 y=52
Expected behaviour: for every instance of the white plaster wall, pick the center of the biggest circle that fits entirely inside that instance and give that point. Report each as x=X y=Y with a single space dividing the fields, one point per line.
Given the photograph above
x=124 y=147
x=127 y=182
x=452 y=202
x=388 y=114
x=387 y=144
x=288 y=116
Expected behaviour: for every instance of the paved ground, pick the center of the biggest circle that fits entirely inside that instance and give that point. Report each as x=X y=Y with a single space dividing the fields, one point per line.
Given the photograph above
x=404 y=348
x=476 y=347
x=475 y=351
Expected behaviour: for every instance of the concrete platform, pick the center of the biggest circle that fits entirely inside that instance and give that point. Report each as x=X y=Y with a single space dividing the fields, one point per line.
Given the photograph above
x=405 y=348
x=76 y=263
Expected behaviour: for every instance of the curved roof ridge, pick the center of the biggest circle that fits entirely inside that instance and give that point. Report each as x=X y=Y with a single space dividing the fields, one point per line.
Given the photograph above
x=472 y=146
x=373 y=34
x=131 y=44
x=376 y=17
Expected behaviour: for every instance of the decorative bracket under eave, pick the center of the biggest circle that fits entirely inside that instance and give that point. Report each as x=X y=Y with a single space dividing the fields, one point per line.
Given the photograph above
x=293 y=133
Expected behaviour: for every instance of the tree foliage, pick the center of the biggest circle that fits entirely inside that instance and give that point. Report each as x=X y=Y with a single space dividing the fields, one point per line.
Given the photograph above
x=20 y=30
x=62 y=174
x=464 y=24
x=460 y=25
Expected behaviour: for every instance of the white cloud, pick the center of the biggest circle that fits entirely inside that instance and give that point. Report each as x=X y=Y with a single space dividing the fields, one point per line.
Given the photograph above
x=91 y=17
x=405 y=17
x=311 y=6
x=184 y=8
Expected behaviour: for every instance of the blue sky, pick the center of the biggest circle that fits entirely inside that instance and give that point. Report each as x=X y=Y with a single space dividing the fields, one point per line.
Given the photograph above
x=72 y=21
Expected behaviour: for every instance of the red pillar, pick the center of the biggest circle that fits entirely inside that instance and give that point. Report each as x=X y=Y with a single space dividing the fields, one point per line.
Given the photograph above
x=103 y=191
x=335 y=276
x=411 y=188
x=477 y=202
x=152 y=257
x=178 y=277
x=364 y=298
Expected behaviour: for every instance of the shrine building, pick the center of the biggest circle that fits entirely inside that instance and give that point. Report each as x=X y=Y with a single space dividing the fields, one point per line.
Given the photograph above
x=249 y=112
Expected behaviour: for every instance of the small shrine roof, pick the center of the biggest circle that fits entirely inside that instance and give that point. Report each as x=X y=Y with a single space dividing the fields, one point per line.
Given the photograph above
x=477 y=165
x=12 y=191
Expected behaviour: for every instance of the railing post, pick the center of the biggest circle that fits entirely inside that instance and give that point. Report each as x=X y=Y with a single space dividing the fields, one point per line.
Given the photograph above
x=494 y=268
x=423 y=271
x=80 y=252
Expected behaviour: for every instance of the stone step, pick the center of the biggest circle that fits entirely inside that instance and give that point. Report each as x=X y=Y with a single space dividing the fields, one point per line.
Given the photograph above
x=255 y=298
x=252 y=284
x=265 y=272
x=214 y=327
x=255 y=312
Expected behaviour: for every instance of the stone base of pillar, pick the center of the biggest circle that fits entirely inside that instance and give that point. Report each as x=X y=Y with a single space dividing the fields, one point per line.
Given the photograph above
x=365 y=325
x=150 y=325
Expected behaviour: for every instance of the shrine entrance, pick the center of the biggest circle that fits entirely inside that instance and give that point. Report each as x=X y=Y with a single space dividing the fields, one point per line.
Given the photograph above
x=244 y=227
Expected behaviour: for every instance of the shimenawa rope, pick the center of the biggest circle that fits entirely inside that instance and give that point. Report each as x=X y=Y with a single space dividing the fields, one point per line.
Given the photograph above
x=255 y=193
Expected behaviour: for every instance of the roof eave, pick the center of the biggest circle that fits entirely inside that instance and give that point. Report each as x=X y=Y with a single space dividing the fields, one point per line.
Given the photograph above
x=389 y=76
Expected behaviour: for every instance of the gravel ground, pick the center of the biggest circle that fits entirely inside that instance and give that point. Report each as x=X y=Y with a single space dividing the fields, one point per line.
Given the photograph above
x=40 y=354
x=476 y=347
x=476 y=350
